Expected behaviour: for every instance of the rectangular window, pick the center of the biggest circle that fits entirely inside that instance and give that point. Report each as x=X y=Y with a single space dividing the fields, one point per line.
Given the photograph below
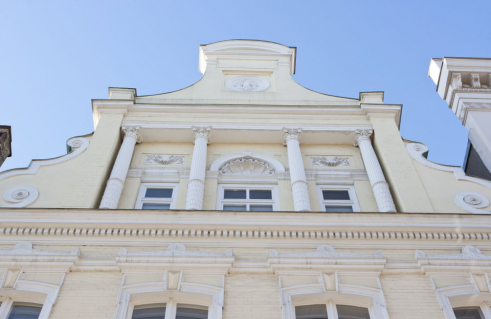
x=338 y=199
x=155 y=311
x=468 y=313
x=156 y=196
x=247 y=198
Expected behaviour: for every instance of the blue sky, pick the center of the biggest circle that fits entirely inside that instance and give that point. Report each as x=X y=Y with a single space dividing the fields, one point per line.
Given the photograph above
x=56 y=56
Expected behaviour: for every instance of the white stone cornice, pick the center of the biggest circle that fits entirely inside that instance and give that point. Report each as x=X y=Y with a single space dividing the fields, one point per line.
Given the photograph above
x=324 y=251
x=175 y=257
x=470 y=259
x=25 y=256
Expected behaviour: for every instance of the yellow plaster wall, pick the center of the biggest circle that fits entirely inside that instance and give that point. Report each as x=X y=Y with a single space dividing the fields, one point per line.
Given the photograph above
x=443 y=186
x=405 y=185
x=88 y=295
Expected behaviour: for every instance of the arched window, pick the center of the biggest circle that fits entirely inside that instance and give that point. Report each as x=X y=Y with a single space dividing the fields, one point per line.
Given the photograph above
x=170 y=310
x=331 y=311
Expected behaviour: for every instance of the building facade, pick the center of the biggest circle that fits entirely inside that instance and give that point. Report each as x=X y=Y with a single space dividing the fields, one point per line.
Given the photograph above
x=246 y=195
x=5 y=143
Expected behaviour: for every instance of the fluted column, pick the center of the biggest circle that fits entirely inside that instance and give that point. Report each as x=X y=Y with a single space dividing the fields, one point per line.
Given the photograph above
x=300 y=191
x=375 y=174
x=196 y=185
x=115 y=184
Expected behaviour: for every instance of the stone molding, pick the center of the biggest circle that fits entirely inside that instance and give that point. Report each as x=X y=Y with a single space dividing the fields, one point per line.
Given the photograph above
x=132 y=131
x=468 y=252
x=247 y=83
x=291 y=134
x=362 y=135
x=273 y=162
x=76 y=144
x=417 y=151
x=174 y=250
x=202 y=132
x=324 y=251
x=471 y=201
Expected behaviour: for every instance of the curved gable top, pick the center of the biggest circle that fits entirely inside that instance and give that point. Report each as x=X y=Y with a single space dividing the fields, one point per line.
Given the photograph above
x=249 y=48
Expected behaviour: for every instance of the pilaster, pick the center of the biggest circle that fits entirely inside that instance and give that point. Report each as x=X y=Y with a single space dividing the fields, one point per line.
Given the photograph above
x=406 y=187
x=196 y=185
x=301 y=201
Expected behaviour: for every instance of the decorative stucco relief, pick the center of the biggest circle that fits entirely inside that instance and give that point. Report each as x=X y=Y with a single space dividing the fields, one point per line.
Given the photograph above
x=247 y=166
x=26 y=248
x=247 y=84
x=329 y=161
x=155 y=159
x=22 y=196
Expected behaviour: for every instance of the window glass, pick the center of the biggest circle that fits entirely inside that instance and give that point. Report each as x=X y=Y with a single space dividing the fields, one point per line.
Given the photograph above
x=235 y=194
x=191 y=313
x=260 y=194
x=237 y=208
x=339 y=209
x=149 y=312
x=336 y=195
x=311 y=312
x=158 y=193
x=261 y=208
x=24 y=312
x=468 y=313
x=155 y=206
x=351 y=312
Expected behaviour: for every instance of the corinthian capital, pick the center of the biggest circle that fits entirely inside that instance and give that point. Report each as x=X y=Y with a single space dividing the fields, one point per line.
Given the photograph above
x=362 y=135
x=291 y=134
x=202 y=132
x=132 y=131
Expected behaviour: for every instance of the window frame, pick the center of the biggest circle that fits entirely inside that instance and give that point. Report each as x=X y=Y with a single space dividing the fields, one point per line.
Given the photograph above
x=331 y=306
x=353 y=201
x=171 y=306
x=274 y=201
x=7 y=304
x=140 y=200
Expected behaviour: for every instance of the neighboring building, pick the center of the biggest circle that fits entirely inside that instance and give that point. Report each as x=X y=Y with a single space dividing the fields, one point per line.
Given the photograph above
x=5 y=143
x=245 y=196
x=465 y=84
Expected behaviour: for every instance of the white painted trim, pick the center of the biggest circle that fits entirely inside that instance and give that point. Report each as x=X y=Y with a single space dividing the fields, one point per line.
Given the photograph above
x=416 y=150
x=353 y=202
x=219 y=162
x=188 y=293
x=79 y=144
x=347 y=294
x=21 y=195
x=143 y=188
x=274 y=192
x=30 y=291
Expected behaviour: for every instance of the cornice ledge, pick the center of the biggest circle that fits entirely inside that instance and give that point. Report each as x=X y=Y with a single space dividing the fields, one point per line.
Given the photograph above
x=469 y=252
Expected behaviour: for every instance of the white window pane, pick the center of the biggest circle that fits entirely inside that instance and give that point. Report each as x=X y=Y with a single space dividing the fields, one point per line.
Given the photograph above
x=339 y=209
x=236 y=208
x=234 y=194
x=336 y=195
x=351 y=312
x=261 y=208
x=155 y=206
x=260 y=194
x=158 y=193
x=191 y=313
x=311 y=312
x=468 y=313
x=24 y=312
x=149 y=313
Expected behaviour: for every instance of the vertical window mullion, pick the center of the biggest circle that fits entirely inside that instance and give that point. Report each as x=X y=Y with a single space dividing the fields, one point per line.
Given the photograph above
x=332 y=312
x=170 y=309
x=5 y=308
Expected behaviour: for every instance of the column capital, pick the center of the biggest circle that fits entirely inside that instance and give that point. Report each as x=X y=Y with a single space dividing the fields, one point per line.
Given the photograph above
x=132 y=131
x=202 y=132
x=291 y=134
x=362 y=135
